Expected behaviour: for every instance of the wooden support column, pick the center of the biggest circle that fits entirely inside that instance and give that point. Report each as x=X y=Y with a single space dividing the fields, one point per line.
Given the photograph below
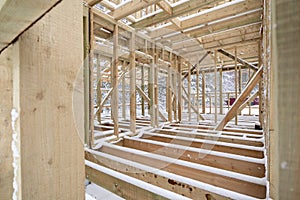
x=174 y=88
x=260 y=87
x=286 y=129
x=216 y=97
x=99 y=86
x=123 y=91
x=41 y=98
x=86 y=76
x=132 y=73
x=221 y=90
x=143 y=88
x=155 y=59
x=203 y=93
x=235 y=80
x=197 y=92
x=169 y=90
x=189 y=90
x=115 y=92
x=179 y=89
x=151 y=89
x=91 y=78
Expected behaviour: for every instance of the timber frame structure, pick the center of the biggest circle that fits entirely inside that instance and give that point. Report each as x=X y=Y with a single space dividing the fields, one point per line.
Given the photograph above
x=133 y=96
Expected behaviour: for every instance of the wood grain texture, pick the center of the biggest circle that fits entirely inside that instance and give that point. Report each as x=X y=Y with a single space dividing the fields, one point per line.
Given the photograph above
x=50 y=67
x=287 y=96
x=6 y=105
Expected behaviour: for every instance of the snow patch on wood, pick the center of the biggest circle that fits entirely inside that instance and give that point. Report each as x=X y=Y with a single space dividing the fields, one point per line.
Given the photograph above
x=16 y=153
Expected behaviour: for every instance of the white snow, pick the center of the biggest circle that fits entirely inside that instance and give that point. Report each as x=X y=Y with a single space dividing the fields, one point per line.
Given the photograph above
x=95 y=192
x=16 y=153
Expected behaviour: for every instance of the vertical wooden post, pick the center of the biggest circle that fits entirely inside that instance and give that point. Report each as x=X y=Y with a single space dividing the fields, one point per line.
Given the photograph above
x=91 y=78
x=236 y=80
x=151 y=88
x=203 y=93
x=216 y=97
x=132 y=73
x=86 y=75
x=143 y=88
x=99 y=85
x=115 y=92
x=260 y=87
x=156 y=55
x=179 y=89
x=228 y=100
x=123 y=91
x=197 y=92
x=169 y=90
x=174 y=88
x=221 y=90
x=189 y=90
x=210 y=103
x=47 y=108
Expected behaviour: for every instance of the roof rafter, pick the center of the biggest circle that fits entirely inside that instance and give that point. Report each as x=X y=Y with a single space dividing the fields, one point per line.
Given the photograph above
x=131 y=7
x=179 y=9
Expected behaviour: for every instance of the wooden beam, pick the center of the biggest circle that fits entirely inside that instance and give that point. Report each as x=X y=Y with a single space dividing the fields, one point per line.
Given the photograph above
x=145 y=97
x=193 y=107
x=99 y=86
x=165 y=6
x=210 y=15
x=123 y=92
x=131 y=7
x=132 y=73
x=179 y=79
x=93 y=2
x=18 y=16
x=249 y=100
x=203 y=93
x=180 y=9
x=238 y=59
x=215 y=86
x=240 y=100
x=114 y=70
x=169 y=90
x=195 y=66
x=189 y=91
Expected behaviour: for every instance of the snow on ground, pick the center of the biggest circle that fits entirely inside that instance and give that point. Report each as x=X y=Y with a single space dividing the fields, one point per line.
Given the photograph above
x=94 y=191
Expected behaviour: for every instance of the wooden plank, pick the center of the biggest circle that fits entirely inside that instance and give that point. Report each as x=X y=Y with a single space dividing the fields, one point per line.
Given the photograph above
x=178 y=168
x=131 y=7
x=114 y=71
x=91 y=79
x=197 y=92
x=180 y=9
x=7 y=58
x=215 y=87
x=203 y=93
x=123 y=92
x=179 y=87
x=193 y=107
x=143 y=88
x=51 y=102
x=216 y=13
x=17 y=16
x=165 y=6
x=132 y=74
x=238 y=59
x=240 y=100
x=287 y=95
x=99 y=86
x=109 y=180
x=93 y=2
x=249 y=100
x=169 y=90
x=191 y=154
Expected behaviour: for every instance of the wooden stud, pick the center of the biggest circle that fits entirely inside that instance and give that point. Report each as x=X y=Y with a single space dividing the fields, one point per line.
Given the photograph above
x=169 y=90
x=235 y=80
x=203 y=93
x=215 y=95
x=99 y=86
x=197 y=92
x=143 y=88
x=114 y=70
x=179 y=79
x=221 y=90
x=189 y=91
x=132 y=73
x=123 y=91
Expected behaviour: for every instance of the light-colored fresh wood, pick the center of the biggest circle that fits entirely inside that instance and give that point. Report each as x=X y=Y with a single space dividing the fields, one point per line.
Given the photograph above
x=17 y=16
x=241 y=98
x=51 y=103
x=132 y=74
x=115 y=92
x=189 y=91
x=215 y=87
x=6 y=101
